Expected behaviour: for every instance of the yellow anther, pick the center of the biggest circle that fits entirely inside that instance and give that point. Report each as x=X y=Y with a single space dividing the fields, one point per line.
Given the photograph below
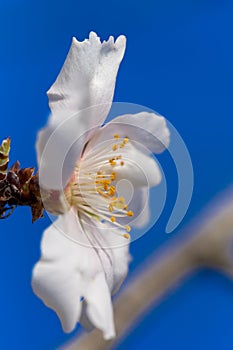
x=110 y=207
x=125 y=207
x=113 y=176
x=105 y=187
x=105 y=182
x=112 y=191
x=112 y=162
x=126 y=235
x=114 y=147
x=128 y=228
x=113 y=219
x=122 y=163
x=121 y=199
x=126 y=140
x=122 y=145
x=130 y=213
x=116 y=136
x=118 y=157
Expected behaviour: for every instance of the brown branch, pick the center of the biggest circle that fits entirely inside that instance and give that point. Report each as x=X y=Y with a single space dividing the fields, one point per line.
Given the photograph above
x=209 y=245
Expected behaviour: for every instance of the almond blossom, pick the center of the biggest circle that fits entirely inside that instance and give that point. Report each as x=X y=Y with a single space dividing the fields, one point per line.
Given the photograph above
x=84 y=253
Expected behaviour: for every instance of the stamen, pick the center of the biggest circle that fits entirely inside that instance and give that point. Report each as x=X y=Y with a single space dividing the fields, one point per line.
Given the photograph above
x=105 y=182
x=111 y=191
x=113 y=176
x=93 y=192
x=128 y=228
x=114 y=147
x=112 y=162
x=105 y=187
x=102 y=193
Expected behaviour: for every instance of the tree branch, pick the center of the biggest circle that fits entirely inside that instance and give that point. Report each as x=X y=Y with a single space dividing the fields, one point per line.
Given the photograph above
x=207 y=244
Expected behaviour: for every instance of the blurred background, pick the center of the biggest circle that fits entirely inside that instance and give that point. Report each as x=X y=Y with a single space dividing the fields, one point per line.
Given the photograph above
x=179 y=62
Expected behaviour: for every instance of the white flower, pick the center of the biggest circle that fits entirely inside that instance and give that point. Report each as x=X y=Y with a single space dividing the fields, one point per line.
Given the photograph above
x=84 y=254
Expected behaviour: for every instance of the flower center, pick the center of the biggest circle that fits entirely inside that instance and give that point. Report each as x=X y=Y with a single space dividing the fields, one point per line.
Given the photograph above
x=93 y=187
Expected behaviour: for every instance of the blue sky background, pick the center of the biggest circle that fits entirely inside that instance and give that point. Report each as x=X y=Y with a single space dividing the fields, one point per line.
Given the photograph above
x=179 y=61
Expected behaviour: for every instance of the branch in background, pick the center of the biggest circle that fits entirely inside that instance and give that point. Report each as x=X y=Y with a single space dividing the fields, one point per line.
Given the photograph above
x=208 y=245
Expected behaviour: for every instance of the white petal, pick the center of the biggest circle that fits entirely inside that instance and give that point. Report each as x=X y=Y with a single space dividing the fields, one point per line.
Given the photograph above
x=113 y=250
x=99 y=306
x=87 y=77
x=121 y=260
x=148 y=129
x=80 y=100
x=55 y=280
x=84 y=320
x=68 y=271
